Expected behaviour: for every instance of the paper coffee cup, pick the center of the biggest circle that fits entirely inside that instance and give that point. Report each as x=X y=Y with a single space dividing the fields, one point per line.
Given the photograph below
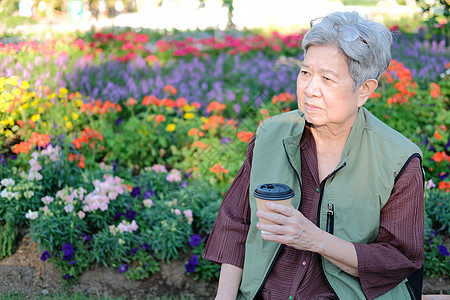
x=272 y=192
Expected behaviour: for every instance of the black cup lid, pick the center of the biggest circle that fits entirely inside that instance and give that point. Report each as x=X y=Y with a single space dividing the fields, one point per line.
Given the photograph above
x=273 y=191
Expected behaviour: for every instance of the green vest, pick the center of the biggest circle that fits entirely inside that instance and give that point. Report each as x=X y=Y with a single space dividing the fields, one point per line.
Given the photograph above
x=372 y=158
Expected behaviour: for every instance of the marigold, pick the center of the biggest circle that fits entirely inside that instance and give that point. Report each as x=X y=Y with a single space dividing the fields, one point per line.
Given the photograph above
x=188 y=116
x=245 y=136
x=195 y=131
x=218 y=168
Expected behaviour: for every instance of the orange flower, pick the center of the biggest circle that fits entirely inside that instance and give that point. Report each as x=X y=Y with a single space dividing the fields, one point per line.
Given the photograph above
x=213 y=122
x=160 y=118
x=444 y=185
x=131 y=101
x=81 y=164
x=216 y=107
x=168 y=102
x=77 y=143
x=218 y=168
x=169 y=89
x=245 y=136
x=149 y=100
x=437 y=135
x=196 y=105
x=42 y=140
x=437 y=157
x=180 y=102
x=195 y=131
x=435 y=90
x=22 y=147
x=199 y=144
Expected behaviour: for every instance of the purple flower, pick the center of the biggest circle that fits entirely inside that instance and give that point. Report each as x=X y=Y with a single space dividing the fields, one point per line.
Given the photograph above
x=192 y=264
x=225 y=140
x=86 y=238
x=68 y=276
x=45 y=255
x=119 y=120
x=72 y=262
x=134 y=251
x=136 y=192
x=117 y=216
x=13 y=156
x=130 y=214
x=147 y=194
x=183 y=184
x=67 y=249
x=145 y=246
x=443 y=250
x=195 y=240
x=123 y=268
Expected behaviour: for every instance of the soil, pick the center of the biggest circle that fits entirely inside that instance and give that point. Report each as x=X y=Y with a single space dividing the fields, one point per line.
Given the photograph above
x=25 y=273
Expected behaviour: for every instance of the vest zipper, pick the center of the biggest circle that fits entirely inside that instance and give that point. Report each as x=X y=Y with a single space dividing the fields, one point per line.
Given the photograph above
x=279 y=248
x=330 y=218
x=322 y=186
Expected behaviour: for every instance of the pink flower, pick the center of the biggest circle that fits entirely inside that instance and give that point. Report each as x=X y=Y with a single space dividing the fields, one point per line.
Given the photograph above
x=430 y=184
x=47 y=199
x=68 y=208
x=159 y=168
x=174 y=176
x=81 y=214
x=187 y=213
x=148 y=203
x=177 y=212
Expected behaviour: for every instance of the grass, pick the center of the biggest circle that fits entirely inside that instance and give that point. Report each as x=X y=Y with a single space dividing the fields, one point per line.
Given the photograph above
x=10 y=22
x=80 y=296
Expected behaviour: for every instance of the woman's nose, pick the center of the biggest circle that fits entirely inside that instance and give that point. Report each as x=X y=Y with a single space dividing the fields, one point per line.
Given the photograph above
x=312 y=89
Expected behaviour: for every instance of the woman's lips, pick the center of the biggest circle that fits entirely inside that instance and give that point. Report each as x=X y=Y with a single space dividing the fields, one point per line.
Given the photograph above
x=311 y=107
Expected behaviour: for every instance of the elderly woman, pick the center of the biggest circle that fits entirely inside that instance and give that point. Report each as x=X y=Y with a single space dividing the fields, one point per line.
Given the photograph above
x=347 y=169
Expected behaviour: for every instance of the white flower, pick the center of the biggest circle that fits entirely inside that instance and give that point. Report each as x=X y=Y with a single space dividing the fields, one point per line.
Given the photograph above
x=32 y=215
x=430 y=184
x=28 y=194
x=7 y=181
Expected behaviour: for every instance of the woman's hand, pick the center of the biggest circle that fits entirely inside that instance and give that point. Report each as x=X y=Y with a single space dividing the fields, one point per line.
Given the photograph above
x=293 y=229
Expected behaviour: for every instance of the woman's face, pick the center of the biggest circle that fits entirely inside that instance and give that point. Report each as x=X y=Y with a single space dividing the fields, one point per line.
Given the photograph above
x=325 y=88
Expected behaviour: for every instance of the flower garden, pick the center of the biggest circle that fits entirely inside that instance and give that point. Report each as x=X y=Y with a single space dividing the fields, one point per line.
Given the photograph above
x=118 y=146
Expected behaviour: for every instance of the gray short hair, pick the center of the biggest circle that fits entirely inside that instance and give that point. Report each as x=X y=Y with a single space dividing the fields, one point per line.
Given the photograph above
x=365 y=43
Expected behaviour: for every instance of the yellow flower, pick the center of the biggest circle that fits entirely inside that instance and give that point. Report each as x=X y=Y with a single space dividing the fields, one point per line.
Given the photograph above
x=63 y=91
x=74 y=116
x=170 y=127
x=12 y=80
x=188 y=108
x=35 y=117
x=34 y=103
x=40 y=110
x=204 y=119
x=51 y=96
x=44 y=124
x=24 y=106
x=69 y=124
x=79 y=102
x=189 y=115
x=66 y=118
x=24 y=85
x=8 y=132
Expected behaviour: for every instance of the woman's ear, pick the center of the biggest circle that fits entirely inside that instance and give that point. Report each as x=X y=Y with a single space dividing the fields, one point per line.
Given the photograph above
x=365 y=90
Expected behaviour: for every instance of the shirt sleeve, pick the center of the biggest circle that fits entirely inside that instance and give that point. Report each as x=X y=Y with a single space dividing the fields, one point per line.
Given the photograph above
x=226 y=243
x=399 y=248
